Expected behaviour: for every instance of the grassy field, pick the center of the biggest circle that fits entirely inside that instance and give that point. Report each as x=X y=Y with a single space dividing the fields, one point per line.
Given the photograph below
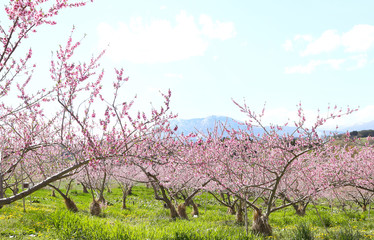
x=46 y=217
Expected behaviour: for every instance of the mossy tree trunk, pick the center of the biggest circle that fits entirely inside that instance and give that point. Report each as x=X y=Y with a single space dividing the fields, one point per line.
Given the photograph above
x=95 y=208
x=182 y=211
x=261 y=223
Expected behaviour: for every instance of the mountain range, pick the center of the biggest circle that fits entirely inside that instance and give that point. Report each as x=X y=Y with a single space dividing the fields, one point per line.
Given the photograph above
x=360 y=127
x=203 y=125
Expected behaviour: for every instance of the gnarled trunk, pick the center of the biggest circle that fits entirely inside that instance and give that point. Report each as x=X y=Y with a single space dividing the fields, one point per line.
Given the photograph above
x=70 y=205
x=261 y=223
x=300 y=212
x=300 y=208
x=182 y=211
x=95 y=208
x=173 y=212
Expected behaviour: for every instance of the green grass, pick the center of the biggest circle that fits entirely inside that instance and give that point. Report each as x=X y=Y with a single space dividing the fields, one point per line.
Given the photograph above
x=146 y=218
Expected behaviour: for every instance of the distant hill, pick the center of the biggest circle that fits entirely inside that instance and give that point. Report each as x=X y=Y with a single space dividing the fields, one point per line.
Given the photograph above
x=358 y=134
x=204 y=125
x=359 y=127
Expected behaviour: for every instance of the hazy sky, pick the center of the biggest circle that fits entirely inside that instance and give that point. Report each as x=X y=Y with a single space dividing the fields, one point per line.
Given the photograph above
x=207 y=52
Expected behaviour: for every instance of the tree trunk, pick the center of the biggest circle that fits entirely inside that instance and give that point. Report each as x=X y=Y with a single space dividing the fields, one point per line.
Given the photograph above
x=300 y=208
x=1 y=189
x=173 y=211
x=70 y=205
x=84 y=188
x=95 y=208
x=231 y=210
x=195 y=211
x=300 y=211
x=364 y=207
x=53 y=193
x=101 y=197
x=124 y=196
x=261 y=223
x=182 y=211
x=239 y=213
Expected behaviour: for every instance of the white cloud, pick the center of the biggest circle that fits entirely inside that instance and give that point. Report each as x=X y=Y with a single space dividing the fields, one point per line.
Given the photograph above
x=359 y=39
x=217 y=29
x=160 y=40
x=162 y=7
x=328 y=42
x=303 y=68
x=287 y=45
x=360 y=60
x=311 y=66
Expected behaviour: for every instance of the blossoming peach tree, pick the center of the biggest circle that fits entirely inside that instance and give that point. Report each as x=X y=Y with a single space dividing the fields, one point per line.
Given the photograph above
x=41 y=146
x=273 y=165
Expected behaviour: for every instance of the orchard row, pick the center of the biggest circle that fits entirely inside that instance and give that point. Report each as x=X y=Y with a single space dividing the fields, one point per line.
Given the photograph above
x=64 y=132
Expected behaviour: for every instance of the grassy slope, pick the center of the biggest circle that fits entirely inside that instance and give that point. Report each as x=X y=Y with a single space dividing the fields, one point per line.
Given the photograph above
x=46 y=218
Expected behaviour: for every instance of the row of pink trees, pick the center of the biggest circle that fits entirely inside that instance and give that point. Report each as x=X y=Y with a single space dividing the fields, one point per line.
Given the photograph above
x=269 y=166
x=41 y=146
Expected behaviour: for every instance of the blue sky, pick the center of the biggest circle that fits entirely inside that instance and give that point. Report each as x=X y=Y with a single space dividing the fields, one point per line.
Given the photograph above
x=207 y=52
